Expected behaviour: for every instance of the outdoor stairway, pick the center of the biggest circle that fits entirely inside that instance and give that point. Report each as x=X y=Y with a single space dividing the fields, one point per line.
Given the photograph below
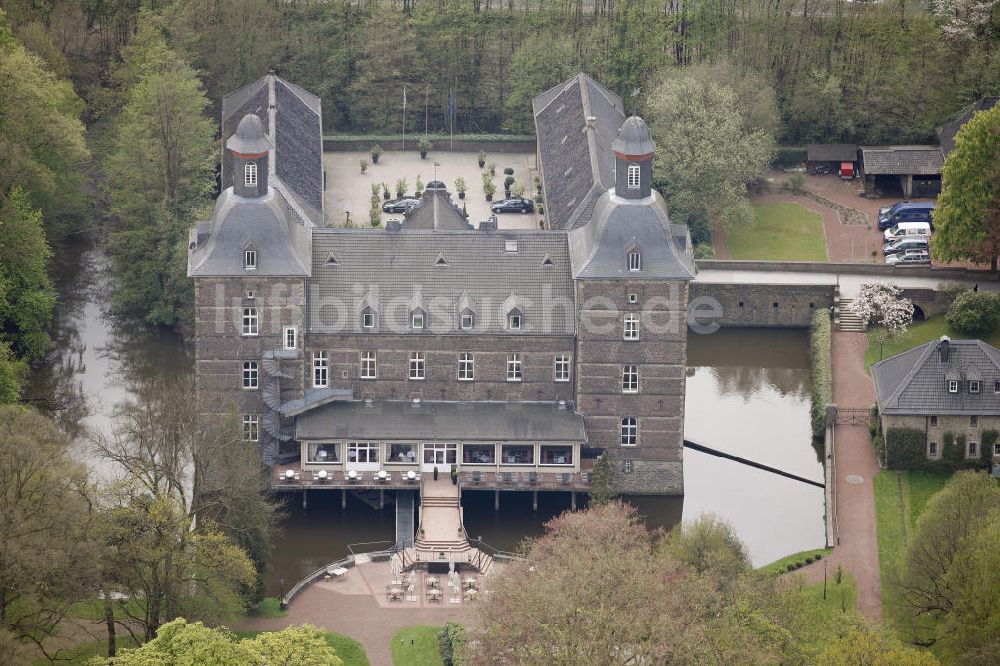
x=441 y=529
x=843 y=318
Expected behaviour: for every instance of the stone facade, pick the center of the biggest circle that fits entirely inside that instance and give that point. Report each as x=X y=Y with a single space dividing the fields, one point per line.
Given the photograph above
x=760 y=305
x=935 y=428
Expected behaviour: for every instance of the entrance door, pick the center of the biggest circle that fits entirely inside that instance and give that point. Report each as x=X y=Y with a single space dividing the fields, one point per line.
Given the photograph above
x=442 y=456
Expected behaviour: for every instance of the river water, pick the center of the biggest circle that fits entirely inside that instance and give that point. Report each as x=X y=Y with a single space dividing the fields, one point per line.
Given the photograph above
x=747 y=394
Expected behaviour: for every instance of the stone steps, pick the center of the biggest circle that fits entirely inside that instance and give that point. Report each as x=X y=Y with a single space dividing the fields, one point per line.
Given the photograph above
x=439 y=501
x=844 y=319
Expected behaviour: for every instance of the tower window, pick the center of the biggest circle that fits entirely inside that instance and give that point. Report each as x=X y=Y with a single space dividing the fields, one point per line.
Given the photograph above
x=321 y=378
x=630 y=431
x=562 y=368
x=630 y=379
x=466 y=367
x=250 y=174
x=633 y=176
x=368 y=367
x=634 y=260
x=250 y=259
x=290 y=337
x=514 y=373
x=251 y=423
x=250 y=374
x=368 y=318
x=418 y=367
x=251 y=321
x=631 y=326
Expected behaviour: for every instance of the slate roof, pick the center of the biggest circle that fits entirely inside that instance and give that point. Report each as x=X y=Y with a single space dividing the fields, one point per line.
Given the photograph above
x=915 y=382
x=297 y=138
x=902 y=160
x=436 y=211
x=442 y=420
x=352 y=268
x=575 y=160
x=950 y=130
x=832 y=152
x=599 y=248
x=250 y=137
x=633 y=138
x=269 y=223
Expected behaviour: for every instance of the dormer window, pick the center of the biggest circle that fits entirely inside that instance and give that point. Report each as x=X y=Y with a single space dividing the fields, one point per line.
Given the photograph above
x=634 y=260
x=514 y=320
x=975 y=386
x=633 y=176
x=250 y=174
x=417 y=319
x=250 y=259
x=368 y=318
x=952 y=386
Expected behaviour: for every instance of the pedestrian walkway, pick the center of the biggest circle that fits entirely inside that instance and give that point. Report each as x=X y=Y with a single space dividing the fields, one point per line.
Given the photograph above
x=856 y=466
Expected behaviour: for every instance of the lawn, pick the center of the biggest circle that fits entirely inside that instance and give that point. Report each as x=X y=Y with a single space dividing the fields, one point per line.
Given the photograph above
x=900 y=498
x=268 y=607
x=416 y=646
x=780 y=566
x=780 y=232
x=917 y=334
x=348 y=649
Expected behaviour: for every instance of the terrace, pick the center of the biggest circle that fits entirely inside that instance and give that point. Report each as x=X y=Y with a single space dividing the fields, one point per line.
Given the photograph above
x=291 y=477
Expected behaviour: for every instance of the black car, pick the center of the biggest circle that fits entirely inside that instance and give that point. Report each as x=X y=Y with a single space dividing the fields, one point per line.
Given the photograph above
x=513 y=205
x=399 y=205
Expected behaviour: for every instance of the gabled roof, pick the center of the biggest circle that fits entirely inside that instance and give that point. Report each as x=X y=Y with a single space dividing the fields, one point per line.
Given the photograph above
x=398 y=264
x=575 y=159
x=598 y=249
x=436 y=210
x=915 y=382
x=832 y=152
x=950 y=130
x=296 y=140
x=902 y=160
x=283 y=244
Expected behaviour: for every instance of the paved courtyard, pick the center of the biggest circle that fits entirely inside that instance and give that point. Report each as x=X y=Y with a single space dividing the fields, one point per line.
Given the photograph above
x=347 y=189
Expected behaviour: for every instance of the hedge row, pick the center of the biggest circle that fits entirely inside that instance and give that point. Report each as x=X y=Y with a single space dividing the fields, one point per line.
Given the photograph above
x=380 y=138
x=821 y=358
x=451 y=643
x=906 y=448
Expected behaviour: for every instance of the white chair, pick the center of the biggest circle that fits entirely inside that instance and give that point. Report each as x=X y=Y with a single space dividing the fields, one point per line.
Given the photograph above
x=352 y=475
x=322 y=475
x=289 y=474
x=382 y=475
x=411 y=475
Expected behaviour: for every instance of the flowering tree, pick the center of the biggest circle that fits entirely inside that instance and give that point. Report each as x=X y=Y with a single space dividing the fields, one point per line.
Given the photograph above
x=880 y=303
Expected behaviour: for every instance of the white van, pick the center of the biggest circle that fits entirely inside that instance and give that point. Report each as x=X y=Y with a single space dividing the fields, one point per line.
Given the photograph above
x=904 y=229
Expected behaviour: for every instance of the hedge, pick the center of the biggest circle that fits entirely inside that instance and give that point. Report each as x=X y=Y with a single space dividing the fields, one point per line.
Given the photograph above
x=906 y=448
x=451 y=642
x=821 y=358
x=789 y=156
x=380 y=138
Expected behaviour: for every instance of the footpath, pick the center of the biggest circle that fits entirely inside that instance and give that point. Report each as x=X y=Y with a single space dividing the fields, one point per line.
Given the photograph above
x=856 y=467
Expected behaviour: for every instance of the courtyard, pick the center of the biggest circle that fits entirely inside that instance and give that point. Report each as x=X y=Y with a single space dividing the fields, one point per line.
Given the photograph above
x=350 y=190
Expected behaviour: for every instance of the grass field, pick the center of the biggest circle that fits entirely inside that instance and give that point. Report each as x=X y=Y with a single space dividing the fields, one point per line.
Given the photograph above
x=780 y=566
x=917 y=334
x=900 y=498
x=268 y=607
x=780 y=232
x=416 y=646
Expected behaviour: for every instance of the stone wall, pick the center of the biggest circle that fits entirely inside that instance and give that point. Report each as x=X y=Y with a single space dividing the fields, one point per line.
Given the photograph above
x=956 y=425
x=759 y=305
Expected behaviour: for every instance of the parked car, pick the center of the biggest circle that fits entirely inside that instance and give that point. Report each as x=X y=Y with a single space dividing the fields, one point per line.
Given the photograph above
x=905 y=211
x=513 y=205
x=905 y=243
x=909 y=258
x=902 y=229
x=399 y=205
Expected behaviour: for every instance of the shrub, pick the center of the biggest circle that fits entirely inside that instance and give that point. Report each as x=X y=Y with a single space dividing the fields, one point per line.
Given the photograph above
x=364 y=166
x=796 y=182
x=821 y=359
x=507 y=182
x=975 y=312
x=508 y=171
x=518 y=190
x=460 y=185
x=809 y=560
x=401 y=186
x=906 y=448
x=376 y=151
x=419 y=185
x=451 y=643
x=789 y=156
x=482 y=158
x=789 y=567
x=819 y=556
x=424 y=145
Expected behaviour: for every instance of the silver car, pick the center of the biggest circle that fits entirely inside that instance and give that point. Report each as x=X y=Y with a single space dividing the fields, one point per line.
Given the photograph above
x=909 y=258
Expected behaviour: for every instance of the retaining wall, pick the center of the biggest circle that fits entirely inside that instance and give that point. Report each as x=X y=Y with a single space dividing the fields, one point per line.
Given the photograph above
x=440 y=145
x=759 y=305
x=880 y=270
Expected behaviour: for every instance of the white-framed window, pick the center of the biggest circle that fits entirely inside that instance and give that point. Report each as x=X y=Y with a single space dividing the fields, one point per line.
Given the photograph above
x=972 y=450
x=996 y=448
x=251 y=427
x=973 y=421
x=321 y=371
x=633 y=176
x=932 y=450
x=251 y=322
x=996 y=387
x=368 y=367
x=289 y=337
x=418 y=367
x=466 y=367
x=417 y=319
x=250 y=174
x=630 y=379
x=975 y=386
x=561 y=368
x=627 y=466
x=250 y=259
x=250 y=375
x=633 y=298
x=362 y=452
x=368 y=318
x=251 y=294
x=467 y=321
x=634 y=260
x=514 y=321
x=514 y=372
x=630 y=431
x=630 y=326
x=952 y=386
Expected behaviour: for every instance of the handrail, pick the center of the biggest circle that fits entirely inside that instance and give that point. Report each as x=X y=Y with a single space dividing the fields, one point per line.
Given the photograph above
x=301 y=585
x=350 y=546
x=496 y=552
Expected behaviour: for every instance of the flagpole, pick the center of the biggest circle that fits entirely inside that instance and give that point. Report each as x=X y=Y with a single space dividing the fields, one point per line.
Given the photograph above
x=427 y=93
x=404 y=117
x=451 y=118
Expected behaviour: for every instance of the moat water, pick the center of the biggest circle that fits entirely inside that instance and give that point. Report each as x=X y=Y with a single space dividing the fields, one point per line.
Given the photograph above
x=747 y=394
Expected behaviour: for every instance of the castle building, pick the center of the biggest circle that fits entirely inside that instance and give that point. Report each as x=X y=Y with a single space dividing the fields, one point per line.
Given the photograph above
x=372 y=356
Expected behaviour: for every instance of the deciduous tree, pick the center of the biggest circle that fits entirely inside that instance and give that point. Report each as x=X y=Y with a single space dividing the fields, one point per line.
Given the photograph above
x=881 y=303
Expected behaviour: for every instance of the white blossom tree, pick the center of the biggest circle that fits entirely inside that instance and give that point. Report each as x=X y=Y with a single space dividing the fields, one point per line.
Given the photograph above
x=964 y=19
x=880 y=303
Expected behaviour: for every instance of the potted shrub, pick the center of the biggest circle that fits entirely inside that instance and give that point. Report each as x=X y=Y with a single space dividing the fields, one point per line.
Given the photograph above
x=460 y=187
x=508 y=171
x=375 y=213
x=386 y=194
x=482 y=159
x=364 y=166
x=492 y=168
x=376 y=152
x=507 y=182
x=454 y=475
x=424 y=146
x=488 y=186
x=435 y=473
x=401 y=186
x=375 y=190
x=518 y=190
x=419 y=186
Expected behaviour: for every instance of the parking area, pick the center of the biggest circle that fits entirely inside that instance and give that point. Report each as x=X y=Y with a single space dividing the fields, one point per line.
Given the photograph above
x=348 y=189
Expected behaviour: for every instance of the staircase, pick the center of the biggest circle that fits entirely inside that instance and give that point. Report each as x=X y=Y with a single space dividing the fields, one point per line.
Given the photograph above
x=843 y=318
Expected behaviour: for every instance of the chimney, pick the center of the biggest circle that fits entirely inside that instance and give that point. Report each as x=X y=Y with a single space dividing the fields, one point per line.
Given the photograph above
x=393 y=225
x=416 y=403
x=944 y=347
x=591 y=122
